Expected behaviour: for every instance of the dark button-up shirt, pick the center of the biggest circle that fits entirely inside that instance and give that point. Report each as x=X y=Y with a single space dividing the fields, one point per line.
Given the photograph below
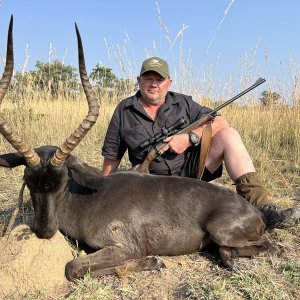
x=130 y=126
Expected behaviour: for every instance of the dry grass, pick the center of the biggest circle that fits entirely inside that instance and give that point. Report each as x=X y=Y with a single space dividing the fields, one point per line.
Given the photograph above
x=272 y=137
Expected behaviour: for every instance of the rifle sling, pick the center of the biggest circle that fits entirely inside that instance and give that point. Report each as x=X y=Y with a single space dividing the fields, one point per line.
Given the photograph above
x=205 y=144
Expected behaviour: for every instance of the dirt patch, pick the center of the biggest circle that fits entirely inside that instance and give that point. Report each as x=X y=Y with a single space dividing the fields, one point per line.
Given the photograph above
x=29 y=265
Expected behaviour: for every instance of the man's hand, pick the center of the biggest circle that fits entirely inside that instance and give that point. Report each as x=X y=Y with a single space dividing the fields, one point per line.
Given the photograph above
x=177 y=143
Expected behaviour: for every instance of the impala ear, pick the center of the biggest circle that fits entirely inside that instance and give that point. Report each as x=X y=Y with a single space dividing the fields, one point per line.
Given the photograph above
x=74 y=163
x=11 y=160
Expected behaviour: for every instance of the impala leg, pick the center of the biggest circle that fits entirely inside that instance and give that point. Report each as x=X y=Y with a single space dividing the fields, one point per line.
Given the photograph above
x=227 y=257
x=133 y=265
x=110 y=260
x=229 y=254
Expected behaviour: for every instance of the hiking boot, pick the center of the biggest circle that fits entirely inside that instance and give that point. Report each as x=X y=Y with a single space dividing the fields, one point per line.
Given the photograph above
x=278 y=217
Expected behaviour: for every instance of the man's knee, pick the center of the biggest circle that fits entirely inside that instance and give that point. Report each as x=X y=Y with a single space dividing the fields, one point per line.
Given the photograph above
x=228 y=134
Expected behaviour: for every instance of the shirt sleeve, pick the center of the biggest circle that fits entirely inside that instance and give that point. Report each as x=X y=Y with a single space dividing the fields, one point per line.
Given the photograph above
x=113 y=148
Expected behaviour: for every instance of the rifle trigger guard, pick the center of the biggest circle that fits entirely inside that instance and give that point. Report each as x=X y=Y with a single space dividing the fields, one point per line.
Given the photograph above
x=158 y=152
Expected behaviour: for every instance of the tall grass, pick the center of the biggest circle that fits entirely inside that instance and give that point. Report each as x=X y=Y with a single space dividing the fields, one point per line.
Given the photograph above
x=271 y=135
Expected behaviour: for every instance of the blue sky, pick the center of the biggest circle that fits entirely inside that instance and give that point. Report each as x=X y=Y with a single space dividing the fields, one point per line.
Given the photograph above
x=260 y=36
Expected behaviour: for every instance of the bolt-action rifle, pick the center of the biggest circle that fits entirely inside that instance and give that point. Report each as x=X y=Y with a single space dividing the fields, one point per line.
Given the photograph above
x=164 y=133
x=158 y=140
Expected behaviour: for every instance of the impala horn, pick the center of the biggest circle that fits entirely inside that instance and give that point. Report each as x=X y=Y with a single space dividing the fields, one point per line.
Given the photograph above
x=16 y=141
x=74 y=139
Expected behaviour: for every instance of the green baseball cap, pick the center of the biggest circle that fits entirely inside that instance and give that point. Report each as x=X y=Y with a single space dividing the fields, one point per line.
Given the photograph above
x=157 y=65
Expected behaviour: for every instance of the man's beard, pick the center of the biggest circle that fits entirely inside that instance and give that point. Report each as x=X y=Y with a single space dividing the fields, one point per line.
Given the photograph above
x=155 y=99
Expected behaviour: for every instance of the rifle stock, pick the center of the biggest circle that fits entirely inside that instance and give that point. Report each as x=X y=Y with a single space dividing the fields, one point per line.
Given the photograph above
x=156 y=149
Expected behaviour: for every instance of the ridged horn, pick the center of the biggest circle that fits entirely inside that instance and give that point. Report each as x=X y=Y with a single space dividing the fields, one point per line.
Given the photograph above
x=74 y=139
x=16 y=141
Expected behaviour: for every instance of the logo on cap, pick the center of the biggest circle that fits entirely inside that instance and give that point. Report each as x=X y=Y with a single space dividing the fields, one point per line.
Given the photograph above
x=154 y=62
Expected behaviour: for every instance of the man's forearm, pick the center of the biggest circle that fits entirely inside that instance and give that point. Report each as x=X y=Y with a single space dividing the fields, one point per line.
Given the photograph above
x=109 y=166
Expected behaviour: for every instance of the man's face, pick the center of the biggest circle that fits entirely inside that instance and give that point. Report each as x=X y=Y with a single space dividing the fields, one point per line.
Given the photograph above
x=153 y=87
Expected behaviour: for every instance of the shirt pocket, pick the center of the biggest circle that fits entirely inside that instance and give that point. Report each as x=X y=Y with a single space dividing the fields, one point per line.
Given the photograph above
x=134 y=136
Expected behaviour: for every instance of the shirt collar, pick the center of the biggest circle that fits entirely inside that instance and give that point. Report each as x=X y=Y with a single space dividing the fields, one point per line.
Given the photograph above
x=133 y=100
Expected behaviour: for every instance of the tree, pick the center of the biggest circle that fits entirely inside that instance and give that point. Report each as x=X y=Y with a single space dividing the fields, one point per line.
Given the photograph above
x=49 y=76
x=124 y=87
x=269 y=98
x=103 y=77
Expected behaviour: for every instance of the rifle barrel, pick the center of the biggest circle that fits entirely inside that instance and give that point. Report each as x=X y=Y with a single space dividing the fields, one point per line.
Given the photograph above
x=256 y=84
x=206 y=118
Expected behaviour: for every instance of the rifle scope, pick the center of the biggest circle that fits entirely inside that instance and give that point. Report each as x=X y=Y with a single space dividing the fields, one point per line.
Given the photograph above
x=165 y=132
